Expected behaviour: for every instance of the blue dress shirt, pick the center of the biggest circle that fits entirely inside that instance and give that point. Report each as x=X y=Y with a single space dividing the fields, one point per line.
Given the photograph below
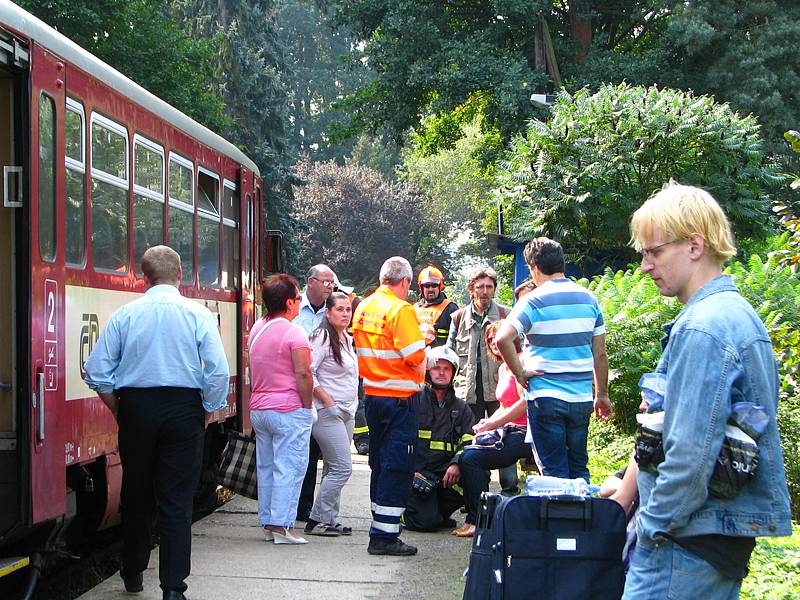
x=307 y=318
x=161 y=339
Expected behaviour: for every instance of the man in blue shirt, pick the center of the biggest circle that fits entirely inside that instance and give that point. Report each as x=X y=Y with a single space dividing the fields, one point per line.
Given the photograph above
x=693 y=539
x=158 y=364
x=320 y=281
x=566 y=349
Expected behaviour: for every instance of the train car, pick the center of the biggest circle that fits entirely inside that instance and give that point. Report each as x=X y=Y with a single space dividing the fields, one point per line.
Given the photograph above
x=95 y=170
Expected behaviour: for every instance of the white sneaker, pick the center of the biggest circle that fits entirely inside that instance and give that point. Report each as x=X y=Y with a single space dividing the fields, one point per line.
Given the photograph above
x=287 y=537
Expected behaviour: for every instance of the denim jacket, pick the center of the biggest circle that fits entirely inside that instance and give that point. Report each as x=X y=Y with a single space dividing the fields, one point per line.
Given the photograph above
x=716 y=352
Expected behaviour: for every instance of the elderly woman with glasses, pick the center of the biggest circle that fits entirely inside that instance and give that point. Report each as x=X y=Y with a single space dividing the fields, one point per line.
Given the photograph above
x=280 y=407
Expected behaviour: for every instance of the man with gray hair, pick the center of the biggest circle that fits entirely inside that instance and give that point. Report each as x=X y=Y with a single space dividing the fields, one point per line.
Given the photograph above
x=391 y=360
x=320 y=281
x=158 y=363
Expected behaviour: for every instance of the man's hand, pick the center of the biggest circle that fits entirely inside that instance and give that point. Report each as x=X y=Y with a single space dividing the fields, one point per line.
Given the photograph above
x=602 y=408
x=111 y=401
x=452 y=476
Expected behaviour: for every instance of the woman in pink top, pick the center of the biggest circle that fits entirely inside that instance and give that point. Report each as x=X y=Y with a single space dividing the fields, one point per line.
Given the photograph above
x=280 y=407
x=512 y=417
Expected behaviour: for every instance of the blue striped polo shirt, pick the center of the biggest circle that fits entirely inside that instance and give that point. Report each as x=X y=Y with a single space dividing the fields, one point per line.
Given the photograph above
x=559 y=319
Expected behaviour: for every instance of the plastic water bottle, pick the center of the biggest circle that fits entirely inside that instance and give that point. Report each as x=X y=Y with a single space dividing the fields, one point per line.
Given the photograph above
x=653 y=386
x=542 y=485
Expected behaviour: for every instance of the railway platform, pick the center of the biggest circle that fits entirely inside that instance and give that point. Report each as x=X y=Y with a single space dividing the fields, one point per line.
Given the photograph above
x=231 y=560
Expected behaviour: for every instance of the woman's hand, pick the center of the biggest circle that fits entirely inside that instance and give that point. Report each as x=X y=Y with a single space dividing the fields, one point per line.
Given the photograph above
x=483 y=425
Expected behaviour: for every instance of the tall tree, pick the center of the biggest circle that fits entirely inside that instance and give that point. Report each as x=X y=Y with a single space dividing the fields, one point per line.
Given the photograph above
x=144 y=42
x=579 y=176
x=354 y=218
x=251 y=74
x=318 y=75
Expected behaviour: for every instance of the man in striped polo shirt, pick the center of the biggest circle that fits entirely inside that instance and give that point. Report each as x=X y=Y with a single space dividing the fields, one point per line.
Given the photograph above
x=565 y=353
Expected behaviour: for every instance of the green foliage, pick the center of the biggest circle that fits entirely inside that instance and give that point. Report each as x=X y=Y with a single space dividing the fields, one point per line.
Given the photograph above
x=378 y=153
x=353 y=219
x=774 y=569
x=579 y=177
x=455 y=188
x=634 y=313
x=144 y=42
x=788 y=215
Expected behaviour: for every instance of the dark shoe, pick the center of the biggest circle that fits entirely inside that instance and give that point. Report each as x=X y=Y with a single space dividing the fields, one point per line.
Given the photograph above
x=342 y=529
x=321 y=529
x=133 y=583
x=396 y=547
x=362 y=448
x=449 y=524
x=174 y=595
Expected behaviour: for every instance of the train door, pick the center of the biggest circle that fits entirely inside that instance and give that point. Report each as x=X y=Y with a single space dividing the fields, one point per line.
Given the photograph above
x=47 y=409
x=13 y=125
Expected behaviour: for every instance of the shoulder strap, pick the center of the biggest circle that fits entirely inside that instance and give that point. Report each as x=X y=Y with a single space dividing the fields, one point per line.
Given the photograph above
x=458 y=316
x=502 y=310
x=253 y=339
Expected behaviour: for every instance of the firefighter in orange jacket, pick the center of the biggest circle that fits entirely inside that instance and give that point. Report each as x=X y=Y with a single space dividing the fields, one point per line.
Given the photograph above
x=433 y=309
x=391 y=361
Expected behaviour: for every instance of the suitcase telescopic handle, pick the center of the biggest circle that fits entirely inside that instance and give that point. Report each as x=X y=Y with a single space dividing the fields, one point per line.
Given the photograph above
x=565 y=509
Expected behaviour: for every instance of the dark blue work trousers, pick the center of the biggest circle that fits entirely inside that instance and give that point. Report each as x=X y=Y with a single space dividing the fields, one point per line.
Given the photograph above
x=393 y=433
x=161 y=446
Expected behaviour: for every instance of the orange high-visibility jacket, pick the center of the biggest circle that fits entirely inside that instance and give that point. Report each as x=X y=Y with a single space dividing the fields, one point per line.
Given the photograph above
x=389 y=345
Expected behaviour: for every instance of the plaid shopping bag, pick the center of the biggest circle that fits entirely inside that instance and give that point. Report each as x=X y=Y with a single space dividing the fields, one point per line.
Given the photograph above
x=237 y=471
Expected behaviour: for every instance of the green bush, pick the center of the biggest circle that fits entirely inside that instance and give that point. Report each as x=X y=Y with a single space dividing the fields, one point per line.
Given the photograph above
x=635 y=313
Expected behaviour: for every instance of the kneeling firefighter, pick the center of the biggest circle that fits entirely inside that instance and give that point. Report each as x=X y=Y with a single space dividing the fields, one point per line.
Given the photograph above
x=445 y=427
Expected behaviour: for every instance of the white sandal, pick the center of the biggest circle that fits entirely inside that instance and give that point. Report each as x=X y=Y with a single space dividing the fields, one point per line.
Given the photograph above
x=287 y=537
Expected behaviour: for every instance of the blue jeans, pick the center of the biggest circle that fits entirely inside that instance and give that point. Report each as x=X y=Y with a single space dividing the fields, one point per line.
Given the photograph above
x=281 y=458
x=559 y=431
x=669 y=571
x=475 y=464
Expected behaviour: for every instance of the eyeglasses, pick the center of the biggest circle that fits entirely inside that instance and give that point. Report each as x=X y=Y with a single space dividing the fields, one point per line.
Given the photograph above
x=323 y=282
x=429 y=285
x=653 y=251
x=297 y=298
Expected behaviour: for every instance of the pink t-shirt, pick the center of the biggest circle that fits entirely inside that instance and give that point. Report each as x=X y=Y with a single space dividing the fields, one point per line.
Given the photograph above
x=272 y=381
x=507 y=393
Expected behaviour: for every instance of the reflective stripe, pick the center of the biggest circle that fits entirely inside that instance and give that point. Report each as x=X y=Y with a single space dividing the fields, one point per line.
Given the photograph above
x=425 y=434
x=386 y=527
x=390 y=511
x=357 y=430
x=458 y=489
x=466 y=438
x=437 y=445
x=403 y=384
x=411 y=348
x=373 y=353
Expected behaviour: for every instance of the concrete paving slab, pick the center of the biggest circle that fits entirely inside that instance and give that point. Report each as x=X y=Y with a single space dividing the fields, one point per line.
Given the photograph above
x=231 y=560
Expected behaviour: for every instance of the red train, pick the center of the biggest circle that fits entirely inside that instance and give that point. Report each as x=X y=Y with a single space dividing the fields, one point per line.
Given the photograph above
x=95 y=170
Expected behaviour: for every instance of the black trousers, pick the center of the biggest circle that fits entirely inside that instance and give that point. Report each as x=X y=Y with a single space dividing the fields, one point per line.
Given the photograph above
x=429 y=512
x=161 y=446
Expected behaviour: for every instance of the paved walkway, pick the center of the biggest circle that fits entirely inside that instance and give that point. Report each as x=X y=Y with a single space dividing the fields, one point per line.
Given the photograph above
x=231 y=560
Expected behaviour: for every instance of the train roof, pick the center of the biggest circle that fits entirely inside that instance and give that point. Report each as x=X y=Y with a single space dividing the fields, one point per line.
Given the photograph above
x=35 y=29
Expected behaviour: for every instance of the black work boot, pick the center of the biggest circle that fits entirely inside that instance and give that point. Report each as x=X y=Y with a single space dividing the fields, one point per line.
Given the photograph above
x=389 y=547
x=133 y=583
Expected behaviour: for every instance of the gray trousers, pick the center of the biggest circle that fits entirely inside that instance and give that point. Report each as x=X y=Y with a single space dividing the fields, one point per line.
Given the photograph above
x=333 y=432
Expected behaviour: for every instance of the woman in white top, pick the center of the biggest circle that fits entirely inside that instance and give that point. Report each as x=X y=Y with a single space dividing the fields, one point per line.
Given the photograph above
x=335 y=369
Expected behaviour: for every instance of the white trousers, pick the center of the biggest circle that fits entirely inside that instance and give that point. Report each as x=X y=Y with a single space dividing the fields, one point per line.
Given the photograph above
x=333 y=432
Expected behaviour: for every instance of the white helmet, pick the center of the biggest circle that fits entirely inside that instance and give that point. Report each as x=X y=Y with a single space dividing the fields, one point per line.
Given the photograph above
x=443 y=353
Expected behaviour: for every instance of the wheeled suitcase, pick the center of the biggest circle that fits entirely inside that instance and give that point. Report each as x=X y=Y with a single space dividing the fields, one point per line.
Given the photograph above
x=548 y=548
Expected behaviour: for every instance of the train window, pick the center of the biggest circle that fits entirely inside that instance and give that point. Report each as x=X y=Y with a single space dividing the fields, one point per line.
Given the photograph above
x=109 y=195
x=109 y=148
x=248 y=238
x=47 y=178
x=208 y=227
x=181 y=212
x=231 y=265
x=148 y=166
x=148 y=198
x=75 y=184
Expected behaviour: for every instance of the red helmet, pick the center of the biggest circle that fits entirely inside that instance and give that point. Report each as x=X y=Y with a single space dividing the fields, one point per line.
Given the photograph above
x=431 y=274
